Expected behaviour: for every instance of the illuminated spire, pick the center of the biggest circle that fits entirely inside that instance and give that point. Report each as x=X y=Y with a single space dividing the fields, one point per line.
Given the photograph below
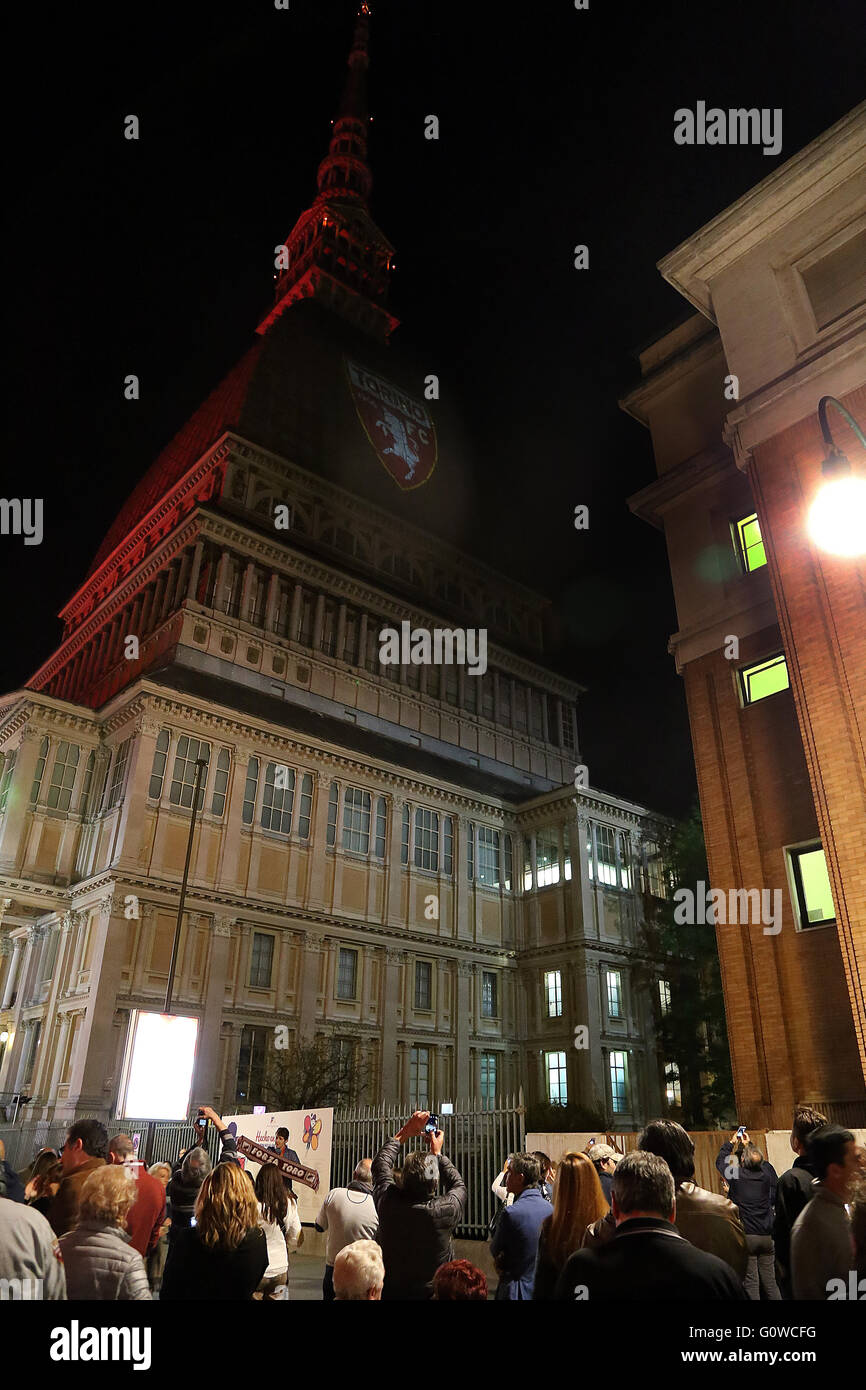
x=336 y=253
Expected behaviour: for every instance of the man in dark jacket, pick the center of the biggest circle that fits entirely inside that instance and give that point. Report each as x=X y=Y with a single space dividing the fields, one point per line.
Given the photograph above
x=794 y=1191
x=752 y=1181
x=85 y=1150
x=515 y=1242
x=646 y=1259
x=706 y=1219
x=416 y=1219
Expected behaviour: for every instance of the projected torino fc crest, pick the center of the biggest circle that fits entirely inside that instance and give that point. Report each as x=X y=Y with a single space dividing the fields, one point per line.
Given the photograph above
x=399 y=428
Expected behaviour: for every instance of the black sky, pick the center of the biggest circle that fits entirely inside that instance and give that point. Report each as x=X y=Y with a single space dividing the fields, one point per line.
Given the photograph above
x=156 y=258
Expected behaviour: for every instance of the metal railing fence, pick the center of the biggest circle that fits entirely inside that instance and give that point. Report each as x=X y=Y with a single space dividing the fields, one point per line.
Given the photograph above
x=477 y=1141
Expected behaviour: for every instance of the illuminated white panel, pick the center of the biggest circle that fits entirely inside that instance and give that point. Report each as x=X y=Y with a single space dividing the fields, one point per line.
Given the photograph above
x=160 y=1066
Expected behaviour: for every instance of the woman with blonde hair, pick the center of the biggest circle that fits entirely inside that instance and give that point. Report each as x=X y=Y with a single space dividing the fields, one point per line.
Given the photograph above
x=224 y=1254
x=99 y=1261
x=578 y=1200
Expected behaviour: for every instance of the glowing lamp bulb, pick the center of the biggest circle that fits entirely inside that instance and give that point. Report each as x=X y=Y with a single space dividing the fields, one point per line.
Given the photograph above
x=837 y=518
x=4 y=1036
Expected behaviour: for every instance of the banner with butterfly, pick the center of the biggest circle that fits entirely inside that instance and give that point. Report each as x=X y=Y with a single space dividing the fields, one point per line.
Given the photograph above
x=305 y=1156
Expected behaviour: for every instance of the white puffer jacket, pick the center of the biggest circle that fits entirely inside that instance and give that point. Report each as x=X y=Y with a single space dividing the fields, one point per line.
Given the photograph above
x=100 y=1263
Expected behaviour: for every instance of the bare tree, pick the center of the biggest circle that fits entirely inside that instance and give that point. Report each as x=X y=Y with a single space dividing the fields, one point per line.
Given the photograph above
x=314 y=1071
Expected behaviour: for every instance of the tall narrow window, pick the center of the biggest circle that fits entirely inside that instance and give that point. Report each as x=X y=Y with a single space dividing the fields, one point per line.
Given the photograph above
x=305 y=806
x=63 y=775
x=221 y=781
x=566 y=852
x=509 y=867
x=419 y=1078
x=614 y=993
x=618 y=1065
x=447 y=845
x=488 y=1080
x=489 y=994
x=381 y=824
x=252 y=1059
x=261 y=960
x=624 y=844
x=673 y=1092
x=470 y=851
x=557 y=1078
x=333 y=799
x=589 y=855
x=7 y=778
x=488 y=856
x=423 y=984
x=763 y=679
x=347 y=974
x=664 y=997
x=546 y=857
x=569 y=742
x=118 y=773
x=251 y=787
x=157 y=771
x=84 y=799
x=404 y=835
x=426 y=839
x=606 y=855
x=278 y=798
x=750 y=543
x=356 y=820
x=553 y=993
x=189 y=751
x=40 y=768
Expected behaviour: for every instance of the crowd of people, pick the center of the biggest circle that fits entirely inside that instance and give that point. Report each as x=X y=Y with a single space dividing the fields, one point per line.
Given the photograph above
x=92 y=1223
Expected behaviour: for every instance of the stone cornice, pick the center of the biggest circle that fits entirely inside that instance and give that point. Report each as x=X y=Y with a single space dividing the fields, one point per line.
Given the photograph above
x=159 y=514
x=315 y=924
x=259 y=735
x=762 y=212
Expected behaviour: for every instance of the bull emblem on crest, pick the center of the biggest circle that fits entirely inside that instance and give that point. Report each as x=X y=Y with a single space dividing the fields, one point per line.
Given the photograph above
x=402 y=446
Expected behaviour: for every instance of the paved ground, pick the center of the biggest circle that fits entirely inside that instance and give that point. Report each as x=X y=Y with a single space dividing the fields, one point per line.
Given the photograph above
x=305 y=1278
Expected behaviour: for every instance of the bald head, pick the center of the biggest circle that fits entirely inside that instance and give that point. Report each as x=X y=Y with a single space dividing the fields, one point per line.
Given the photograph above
x=120 y=1148
x=363 y=1171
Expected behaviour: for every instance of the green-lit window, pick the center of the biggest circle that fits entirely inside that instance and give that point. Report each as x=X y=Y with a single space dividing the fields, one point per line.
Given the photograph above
x=812 y=886
x=763 y=679
x=751 y=544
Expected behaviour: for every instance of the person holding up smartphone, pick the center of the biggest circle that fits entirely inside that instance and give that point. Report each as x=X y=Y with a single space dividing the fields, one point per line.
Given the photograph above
x=416 y=1219
x=751 y=1182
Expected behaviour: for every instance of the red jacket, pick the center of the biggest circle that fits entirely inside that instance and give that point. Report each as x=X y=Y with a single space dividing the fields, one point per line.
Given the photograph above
x=147 y=1214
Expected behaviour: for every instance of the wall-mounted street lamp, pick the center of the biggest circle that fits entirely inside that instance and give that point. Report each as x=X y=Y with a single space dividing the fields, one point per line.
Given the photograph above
x=837 y=517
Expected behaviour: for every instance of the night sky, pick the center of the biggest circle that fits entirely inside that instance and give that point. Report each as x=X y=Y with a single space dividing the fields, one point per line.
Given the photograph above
x=156 y=257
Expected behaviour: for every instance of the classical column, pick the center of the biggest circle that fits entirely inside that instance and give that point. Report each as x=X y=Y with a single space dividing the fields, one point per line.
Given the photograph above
x=341 y=631
x=391 y=1001
x=221 y=592
x=318 y=623
x=403 y=1069
x=318 y=858
x=247 y=592
x=228 y=871
x=314 y=948
x=16 y=946
x=63 y=1021
x=295 y=619
x=95 y=1060
x=171 y=576
x=362 y=641
x=464 y=1009
x=132 y=824
x=272 y=604
x=16 y=822
x=394 y=910
x=192 y=583
x=79 y=924
x=206 y=1081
